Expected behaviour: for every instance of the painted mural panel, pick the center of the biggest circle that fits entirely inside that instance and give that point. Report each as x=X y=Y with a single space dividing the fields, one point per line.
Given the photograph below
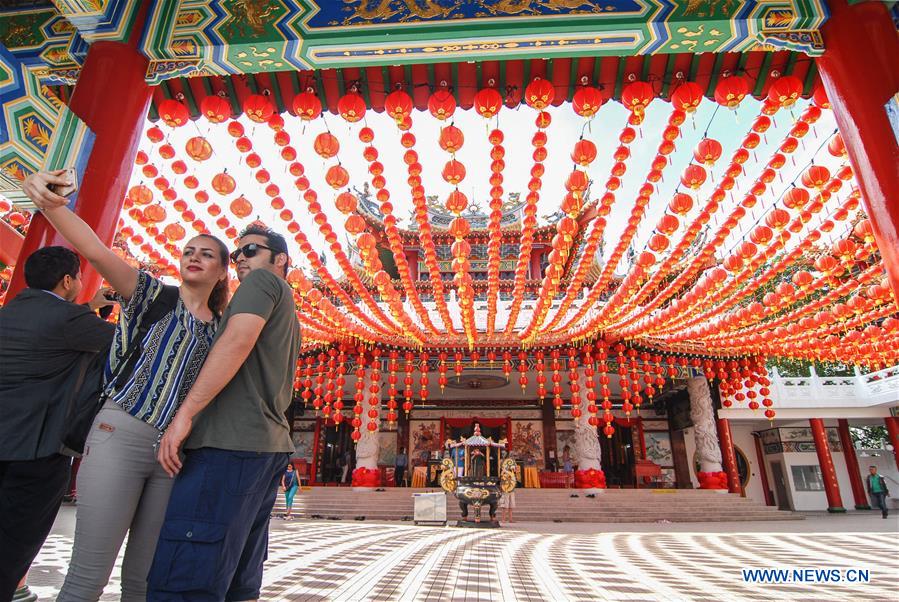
x=424 y=438
x=527 y=442
x=303 y=437
x=658 y=447
x=387 y=448
x=566 y=439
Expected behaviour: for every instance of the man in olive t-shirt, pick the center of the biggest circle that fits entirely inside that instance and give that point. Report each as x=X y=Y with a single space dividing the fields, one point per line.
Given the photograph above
x=236 y=436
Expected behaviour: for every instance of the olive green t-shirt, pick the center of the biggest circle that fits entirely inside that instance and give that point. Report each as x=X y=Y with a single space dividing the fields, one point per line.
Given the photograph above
x=248 y=414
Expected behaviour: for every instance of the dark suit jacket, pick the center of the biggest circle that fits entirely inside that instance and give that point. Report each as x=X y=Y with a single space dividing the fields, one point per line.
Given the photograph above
x=43 y=342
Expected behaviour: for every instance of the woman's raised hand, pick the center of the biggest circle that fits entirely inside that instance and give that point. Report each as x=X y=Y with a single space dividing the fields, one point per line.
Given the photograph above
x=37 y=187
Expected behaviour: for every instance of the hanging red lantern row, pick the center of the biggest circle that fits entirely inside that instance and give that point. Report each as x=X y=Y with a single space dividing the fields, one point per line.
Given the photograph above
x=716 y=197
x=359 y=396
x=607 y=200
x=529 y=223
x=540 y=367
x=494 y=226
x=379 y=183
x=339 y=382
x=638 y=271
x=423 y=367
x=374 y=390
x=556 y=380
x=392 y=380
x=523 y=370
x=420 y=208
x=783 y=290
x=777 y=221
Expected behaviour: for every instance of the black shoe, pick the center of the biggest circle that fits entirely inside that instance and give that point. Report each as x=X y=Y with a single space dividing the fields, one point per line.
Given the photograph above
x=574 y=495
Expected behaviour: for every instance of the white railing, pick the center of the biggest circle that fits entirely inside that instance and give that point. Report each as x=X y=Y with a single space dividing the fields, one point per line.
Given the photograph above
x=860 y=390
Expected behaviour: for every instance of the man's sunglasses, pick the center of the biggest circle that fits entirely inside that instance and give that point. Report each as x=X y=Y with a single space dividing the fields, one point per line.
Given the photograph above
x=248 y=250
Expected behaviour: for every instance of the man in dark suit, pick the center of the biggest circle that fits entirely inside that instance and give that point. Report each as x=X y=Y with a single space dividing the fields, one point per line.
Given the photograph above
x=44 y=337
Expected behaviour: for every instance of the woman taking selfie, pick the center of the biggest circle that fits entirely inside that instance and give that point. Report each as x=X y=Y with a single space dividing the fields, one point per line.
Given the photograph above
x=122 y=489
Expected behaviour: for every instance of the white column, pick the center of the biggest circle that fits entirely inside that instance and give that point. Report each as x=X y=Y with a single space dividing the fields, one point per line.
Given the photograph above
x=368 y=447
x=706 y=433
x=586 y=438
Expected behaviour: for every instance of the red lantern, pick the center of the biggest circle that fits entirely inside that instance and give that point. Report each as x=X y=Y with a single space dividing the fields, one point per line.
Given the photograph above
x=235 y=128
x=198 y=148
x=668 y=224
x=216 y=109
x=488 y=102
x=442 y=104
x=836 y=147
x=398 y=105
x=337 y=177
x=819 y=96
x=785 y=91
x=354 y=224
x=796 y=198
x=258 y=108
x=687 y=96
x=539 y=94
x=731 y=91
x=241 y=207
x=351 y=106
x=707 y=151
x=777 y=219
x=453 y=172
x=584 y=153
x=586 y=101
x=456 y=202
x=693 y=176
x=326 y=145
x=636 y=96
x=307 y=106
x=816 y=176
x=140 y=195
x=173 y=113
x=681 y=203
x=223 y=183
x=346 y=202
x=451 y=139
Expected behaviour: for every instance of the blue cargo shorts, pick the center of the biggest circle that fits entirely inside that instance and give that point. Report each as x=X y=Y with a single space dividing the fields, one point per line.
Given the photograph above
x=214 y=540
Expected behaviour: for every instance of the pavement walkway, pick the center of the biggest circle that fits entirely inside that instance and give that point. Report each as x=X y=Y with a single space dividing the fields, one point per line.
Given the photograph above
x=856 y=556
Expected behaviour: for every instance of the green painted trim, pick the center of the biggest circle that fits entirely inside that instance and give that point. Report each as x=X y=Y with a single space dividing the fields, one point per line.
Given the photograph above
x=341 y=87
x=192 y=104
x=385 y=81
x=232 y=96
x=408 y=84
x=716 y=70
x=432 y=78
x=694 y=68
x=251 y=84
x=572 y=79
x=276 y=90
x=762 y=76
x=791 y=64
x=479 y=75
x=644 y=72
x=862 y=507
x=320 y=88
x=597 y=70
x=837 y=510
x=619 y=78
x=363 y=83
x=810 y=76
x=669 y=76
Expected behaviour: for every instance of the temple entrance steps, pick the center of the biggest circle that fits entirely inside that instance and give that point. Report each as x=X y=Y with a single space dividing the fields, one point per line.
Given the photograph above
x=544 y=505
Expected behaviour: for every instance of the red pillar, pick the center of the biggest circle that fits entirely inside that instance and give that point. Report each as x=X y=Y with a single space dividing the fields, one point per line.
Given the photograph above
x=855 y=477
x=893 y=430
x=412 y=260
x=112 y=98
x=10 y=243
x=535 y=264
x=860 y=74
x=763 y=470
x=728 y=457
x=828 y=472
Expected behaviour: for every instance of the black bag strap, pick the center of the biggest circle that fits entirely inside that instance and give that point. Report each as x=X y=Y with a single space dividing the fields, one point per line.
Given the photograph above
x=165 y=301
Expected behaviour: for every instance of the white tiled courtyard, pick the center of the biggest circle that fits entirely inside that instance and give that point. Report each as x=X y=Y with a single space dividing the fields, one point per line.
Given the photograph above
x=336 y=560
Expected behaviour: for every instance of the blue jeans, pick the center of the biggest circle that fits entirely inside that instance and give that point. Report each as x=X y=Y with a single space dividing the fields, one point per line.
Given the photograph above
x=215 y=536
x=880 y=501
